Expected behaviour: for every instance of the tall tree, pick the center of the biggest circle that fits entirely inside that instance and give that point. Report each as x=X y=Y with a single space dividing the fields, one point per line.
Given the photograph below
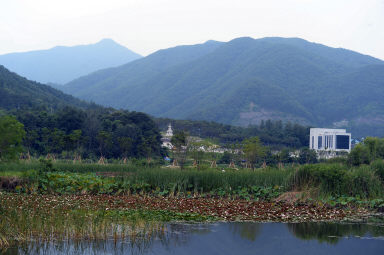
x=254 y=151
x=105 y=142
x=11 y=136
x=180 y=143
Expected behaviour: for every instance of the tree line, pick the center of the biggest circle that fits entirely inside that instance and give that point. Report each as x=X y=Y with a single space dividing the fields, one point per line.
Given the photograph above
x=85 y=133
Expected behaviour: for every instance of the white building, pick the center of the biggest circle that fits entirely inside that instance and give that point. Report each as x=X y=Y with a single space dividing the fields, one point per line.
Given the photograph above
x=326 y=139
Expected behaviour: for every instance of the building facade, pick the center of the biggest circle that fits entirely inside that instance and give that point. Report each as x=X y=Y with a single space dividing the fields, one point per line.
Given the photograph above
x=327 y=139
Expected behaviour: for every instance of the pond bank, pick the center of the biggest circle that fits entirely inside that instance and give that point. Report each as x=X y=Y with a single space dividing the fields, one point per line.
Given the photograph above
x=38 y=217
x=210 y=209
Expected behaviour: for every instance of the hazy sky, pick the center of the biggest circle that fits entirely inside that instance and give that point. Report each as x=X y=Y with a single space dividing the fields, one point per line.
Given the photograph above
x=145 y=26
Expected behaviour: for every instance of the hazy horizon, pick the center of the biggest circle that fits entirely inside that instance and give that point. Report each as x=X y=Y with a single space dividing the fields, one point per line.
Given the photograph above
x=146 y=26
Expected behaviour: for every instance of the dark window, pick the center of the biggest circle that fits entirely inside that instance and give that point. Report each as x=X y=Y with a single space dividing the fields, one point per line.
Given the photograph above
x=319 y=142
x=313 y=142
x=342 y=142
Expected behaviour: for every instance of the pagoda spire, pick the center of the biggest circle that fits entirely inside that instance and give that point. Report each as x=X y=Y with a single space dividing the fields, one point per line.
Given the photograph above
x=169 y=131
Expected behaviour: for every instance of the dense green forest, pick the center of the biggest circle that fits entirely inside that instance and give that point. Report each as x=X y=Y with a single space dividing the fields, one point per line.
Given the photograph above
x=244 y=81
x=17 y=92
x=61 y=125
x=91 y=133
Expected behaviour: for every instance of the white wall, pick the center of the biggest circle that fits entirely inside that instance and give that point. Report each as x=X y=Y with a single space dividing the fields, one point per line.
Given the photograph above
x=327 y=134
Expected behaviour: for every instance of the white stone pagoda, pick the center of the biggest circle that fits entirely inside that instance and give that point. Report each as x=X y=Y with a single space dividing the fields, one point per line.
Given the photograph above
x=167 y=138
x=169 y=131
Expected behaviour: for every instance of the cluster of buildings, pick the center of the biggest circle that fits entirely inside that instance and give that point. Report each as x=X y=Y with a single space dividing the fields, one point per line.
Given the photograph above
x=326 y=142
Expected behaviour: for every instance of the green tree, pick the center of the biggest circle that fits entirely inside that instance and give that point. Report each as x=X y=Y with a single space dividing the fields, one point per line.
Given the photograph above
x=285 y=156
x=57 y=138
x=180 y=147
x=235 y=152
x=372 y=145
x=11 y=135
x=226 y=158
x=75 y=139
x=254 y=151
x=307 y=156
x=198 y=149
x=70 y=118
x=380 y=148
x=125 y=144
x=360 y=154
x=105 y=142
x=148 y=146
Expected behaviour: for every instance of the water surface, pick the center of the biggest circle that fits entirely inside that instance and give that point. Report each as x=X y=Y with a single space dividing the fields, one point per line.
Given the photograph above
x=231 y=238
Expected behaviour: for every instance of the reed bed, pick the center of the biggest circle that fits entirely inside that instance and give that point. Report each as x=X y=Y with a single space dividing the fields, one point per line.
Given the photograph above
x=17 y=168
x=23 y=220
x=339 y=180
x=365 y=181
x=209 y=180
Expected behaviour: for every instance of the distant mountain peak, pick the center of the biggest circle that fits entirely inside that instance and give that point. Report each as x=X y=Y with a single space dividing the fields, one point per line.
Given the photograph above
x=107 y=41
x=212 y=42
x=62 y=64
x=242 y=39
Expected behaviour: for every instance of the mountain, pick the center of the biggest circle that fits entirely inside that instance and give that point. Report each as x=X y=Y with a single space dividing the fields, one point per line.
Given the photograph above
x=17 y=92
x=63 y=64
x=136 y=72
x=246 y=80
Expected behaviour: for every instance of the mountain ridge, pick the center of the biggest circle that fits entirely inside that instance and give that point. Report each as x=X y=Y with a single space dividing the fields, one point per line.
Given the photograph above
x=17 y=92
x=62 y=64
x=242 y=82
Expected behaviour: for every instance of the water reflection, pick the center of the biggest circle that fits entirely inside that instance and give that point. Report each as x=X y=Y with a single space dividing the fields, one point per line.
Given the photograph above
x=178 y=235
x=333 y=232
x=246 y=230
x=171 y=236
x=229 y=238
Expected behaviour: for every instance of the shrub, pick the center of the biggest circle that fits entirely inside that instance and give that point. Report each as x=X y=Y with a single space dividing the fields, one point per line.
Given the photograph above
x=330 y=178
x=364 y=183
x=336 y=180
x=378 y=167
x=359 y=155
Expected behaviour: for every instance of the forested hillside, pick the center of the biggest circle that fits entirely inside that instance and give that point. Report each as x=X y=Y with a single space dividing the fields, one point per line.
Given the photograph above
x=66 y=127
x=61 y=125
x=61 y=64
x=244 y=81
x=18 y=92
